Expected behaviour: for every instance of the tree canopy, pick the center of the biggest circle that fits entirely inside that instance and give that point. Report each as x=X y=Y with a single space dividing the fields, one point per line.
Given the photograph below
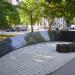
x=30 y=11
x=63 y=8
x=8 y=14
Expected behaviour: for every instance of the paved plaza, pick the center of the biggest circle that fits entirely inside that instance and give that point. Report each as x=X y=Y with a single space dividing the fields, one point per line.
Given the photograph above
x=38 y=59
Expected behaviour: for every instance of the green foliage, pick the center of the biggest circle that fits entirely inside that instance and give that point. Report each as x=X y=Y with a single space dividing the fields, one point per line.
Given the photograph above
x=30 y=11
x=61 y=8
x=72 y=21
x=8 y=14
x=33 y=38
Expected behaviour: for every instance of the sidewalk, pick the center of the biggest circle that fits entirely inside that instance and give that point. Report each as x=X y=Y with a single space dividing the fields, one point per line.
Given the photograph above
x=38 y=59
x=67 y=69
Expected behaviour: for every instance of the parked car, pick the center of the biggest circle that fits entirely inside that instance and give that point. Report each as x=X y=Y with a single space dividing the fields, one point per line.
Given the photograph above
x=21 y=28
x=11 y=30
x=72 y=27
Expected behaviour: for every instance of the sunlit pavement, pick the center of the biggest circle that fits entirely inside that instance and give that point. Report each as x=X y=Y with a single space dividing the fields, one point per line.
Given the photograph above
x=20 y=32
x=16 y=33
x=38 y=59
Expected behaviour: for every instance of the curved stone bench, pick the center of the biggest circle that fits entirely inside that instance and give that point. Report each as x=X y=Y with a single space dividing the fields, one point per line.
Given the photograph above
x=11 y=44
x=19 y=41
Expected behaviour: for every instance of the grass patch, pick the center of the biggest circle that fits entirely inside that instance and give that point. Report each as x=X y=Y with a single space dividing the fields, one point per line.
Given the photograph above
x=2 y=37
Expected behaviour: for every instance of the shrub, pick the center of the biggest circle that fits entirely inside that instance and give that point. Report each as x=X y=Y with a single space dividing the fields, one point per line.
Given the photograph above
x=65 y=47
x=33 y=37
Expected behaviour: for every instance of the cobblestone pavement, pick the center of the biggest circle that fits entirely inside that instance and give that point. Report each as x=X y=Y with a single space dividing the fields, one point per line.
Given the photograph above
x=38 y=59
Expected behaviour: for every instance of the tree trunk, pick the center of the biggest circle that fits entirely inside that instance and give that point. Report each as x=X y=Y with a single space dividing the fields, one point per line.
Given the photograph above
x=31 y=23
x=2 y=32
x=67 y=22
x=50 y=23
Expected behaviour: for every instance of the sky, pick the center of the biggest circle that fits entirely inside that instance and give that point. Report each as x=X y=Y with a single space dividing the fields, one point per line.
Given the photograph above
x=15 y=2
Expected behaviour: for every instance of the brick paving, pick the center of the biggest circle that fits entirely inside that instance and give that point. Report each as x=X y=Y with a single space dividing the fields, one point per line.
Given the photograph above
x=67 y=69
x=38 y=59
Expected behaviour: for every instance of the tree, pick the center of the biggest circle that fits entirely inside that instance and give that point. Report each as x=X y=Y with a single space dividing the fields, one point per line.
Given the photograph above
x=8 y=14
x=48 y=11
x=31 y=11
x=63 y=8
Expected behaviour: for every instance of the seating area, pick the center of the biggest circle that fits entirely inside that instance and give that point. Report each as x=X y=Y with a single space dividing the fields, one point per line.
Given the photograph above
x=14 y=43
x=37 y=59
x=65 y=48
x=37 y=37
x=41 y=52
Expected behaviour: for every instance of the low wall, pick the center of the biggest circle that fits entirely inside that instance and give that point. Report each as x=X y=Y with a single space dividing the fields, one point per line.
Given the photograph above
x=5 y=47
x=54 y=35
x=16 y=42
x=13 y=43
x=67 y=36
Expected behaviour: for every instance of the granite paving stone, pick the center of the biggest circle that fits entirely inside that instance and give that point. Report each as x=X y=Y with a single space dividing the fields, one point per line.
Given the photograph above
x=38 y=59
